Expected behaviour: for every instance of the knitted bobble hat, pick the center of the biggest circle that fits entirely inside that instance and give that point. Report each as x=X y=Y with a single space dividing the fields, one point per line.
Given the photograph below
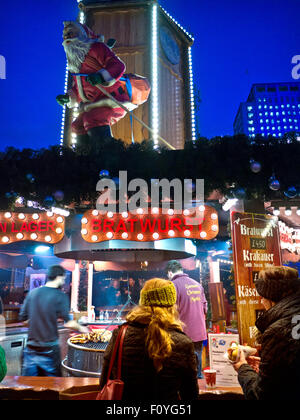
x=163 y=296
x=277 y=282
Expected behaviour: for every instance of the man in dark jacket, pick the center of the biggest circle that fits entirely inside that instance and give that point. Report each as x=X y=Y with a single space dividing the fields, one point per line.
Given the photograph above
x=279 y=368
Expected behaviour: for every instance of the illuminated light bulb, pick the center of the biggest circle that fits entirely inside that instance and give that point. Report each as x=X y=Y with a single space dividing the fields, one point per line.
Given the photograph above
x=276 y=212
x=59 y=219
x=155 y=210
x=298 y=212
x=214 y=228
x=186 y=212
x=19 y=235
x=94 y=238
x=35 y=216
x=109 y=235
x=7 y=215
x=84 y=231
x=288 y=212
x=201 y=208
x=140 y=236
x=21 y=216
x=33 y=236
x=170 y=212
x=84 y=220
x=50 y=213
x=48 y=238
x=110 y=214
x=203 y=234
x=59 y=230
x=140 y=211
x=124 y=235
x=155 y=235
x=214 y=216
x=187 y=233
x=124 y=214
x=5 y=239
x=171 y=233
x=95 y=212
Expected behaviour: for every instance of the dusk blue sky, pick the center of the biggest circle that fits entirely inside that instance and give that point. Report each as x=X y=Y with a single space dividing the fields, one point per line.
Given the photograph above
x=237 y=43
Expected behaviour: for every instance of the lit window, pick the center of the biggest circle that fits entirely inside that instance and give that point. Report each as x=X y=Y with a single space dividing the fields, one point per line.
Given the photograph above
x=250 y=122
x=259 y=106
x=262 y=128
x=249 y=108
x=283 y=112
x=265 y=106
x=271 y=106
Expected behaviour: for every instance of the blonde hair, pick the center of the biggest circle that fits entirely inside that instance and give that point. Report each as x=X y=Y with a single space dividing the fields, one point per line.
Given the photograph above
x=159 y=320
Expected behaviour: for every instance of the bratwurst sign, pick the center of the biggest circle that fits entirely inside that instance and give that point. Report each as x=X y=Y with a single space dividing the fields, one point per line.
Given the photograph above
x=150 y=224
x=41 y=227
x=255 y=241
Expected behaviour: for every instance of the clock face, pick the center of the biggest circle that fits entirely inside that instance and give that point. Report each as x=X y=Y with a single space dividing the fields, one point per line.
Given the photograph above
x=169 y=45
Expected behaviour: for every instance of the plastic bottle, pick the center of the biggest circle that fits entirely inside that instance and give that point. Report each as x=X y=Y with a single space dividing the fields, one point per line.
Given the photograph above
x=101 y=317
x=106 y=316
x=92 y=315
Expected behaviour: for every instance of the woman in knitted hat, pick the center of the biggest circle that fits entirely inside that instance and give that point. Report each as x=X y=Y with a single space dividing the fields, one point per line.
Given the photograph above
x=158 y=361
x=278 y=377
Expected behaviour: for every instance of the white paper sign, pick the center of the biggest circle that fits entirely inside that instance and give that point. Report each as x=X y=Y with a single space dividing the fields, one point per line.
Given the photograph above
x=218 y=345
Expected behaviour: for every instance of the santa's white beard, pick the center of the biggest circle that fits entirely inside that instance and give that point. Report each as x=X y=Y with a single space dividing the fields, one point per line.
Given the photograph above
x=76 y=51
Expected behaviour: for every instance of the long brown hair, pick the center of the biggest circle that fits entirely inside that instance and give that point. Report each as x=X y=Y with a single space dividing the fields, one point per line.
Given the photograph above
x=159 y=320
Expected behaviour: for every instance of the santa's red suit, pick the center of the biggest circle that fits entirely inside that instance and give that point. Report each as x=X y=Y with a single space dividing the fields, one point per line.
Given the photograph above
x=97 y=109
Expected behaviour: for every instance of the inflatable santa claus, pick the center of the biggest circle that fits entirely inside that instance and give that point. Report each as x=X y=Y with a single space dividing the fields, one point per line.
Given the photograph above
x=93 y=63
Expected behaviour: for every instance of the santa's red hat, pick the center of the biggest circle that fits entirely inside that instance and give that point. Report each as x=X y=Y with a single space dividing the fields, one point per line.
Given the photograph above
x=85 y=31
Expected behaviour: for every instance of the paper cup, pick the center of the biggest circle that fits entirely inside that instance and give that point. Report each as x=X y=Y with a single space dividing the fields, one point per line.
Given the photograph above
x=210 y=378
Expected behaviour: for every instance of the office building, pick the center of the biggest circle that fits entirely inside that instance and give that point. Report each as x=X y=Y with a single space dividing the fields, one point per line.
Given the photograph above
x=272 y=109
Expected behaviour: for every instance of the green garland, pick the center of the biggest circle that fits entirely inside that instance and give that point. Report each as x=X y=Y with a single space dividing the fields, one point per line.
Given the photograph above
x=223 y=163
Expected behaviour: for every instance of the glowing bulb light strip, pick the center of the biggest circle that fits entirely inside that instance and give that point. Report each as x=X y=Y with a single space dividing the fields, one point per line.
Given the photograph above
x=62 y=130
x=177 y=24
x=192 y=101
x=155 y=113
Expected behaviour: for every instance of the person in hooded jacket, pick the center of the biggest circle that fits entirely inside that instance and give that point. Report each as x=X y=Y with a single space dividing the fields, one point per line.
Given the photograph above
x=276 y=374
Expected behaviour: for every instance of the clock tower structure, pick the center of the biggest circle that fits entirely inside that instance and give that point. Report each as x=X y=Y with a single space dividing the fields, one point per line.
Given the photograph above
x=154 y=45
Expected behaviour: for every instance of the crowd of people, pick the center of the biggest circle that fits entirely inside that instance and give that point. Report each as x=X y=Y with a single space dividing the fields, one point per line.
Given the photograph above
x=162 y=349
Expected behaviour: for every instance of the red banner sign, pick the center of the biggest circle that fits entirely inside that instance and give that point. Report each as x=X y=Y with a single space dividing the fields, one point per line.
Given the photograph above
x=40 y=227
x=150 y=225
x=255 y=240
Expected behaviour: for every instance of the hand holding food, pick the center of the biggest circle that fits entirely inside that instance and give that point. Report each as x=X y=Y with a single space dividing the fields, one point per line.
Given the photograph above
x=233 y=352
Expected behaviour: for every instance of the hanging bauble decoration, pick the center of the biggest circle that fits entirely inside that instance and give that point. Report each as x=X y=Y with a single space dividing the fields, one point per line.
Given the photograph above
x=255 y=166
x=291 y=192
x=239 y=193
x=104 y=173
x=58 y=195
x=30 y=178
x=274 y=184
x=49 y=201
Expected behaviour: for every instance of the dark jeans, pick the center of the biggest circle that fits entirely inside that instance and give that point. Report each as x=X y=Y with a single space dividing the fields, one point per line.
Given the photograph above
x=198 y=345
x=39 y=361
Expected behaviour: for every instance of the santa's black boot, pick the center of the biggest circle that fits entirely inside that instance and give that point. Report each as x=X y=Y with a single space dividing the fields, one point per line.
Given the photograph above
x=100 y=134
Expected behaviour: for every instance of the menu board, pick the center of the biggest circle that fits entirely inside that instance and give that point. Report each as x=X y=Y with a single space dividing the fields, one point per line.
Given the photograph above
x=255 y=243
x=218 y=345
